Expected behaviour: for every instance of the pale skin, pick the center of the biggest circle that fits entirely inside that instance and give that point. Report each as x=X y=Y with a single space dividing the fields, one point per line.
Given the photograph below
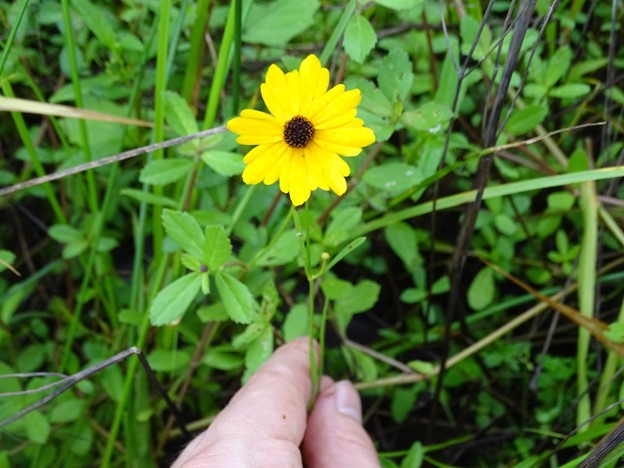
x=267 y=424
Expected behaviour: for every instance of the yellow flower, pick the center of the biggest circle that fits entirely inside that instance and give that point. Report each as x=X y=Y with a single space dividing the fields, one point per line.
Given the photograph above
x=309 y=128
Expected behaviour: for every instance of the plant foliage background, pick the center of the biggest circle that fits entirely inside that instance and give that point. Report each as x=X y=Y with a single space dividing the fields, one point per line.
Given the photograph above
x=485 y=163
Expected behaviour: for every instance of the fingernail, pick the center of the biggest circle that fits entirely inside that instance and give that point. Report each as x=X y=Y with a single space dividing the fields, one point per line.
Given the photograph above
x=348 y=401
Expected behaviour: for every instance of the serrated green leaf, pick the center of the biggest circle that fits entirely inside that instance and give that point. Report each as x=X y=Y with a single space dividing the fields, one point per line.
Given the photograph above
x=171 y=303
x=431 y=117
x=217 y=247
x=395 y=75
x=165 y=171
x=276 y=23
x=238 y=301
x=359 y=38
x=185 y=231
x=250 y=334
x=226 y=163
x=178 y=115
x=482 y=289
x=282 y=251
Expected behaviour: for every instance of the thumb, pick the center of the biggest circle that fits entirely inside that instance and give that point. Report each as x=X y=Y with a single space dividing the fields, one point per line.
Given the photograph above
x=334 y=435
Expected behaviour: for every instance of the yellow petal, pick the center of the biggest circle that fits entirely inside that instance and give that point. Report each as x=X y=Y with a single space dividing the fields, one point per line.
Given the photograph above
x=258 y=139
x=314 y=80
x=315 y=163
x=264 y=126
x=284 y=178
x=324 y=100
x=294 y=92
x=344 y=102
x=299 y=183
x=334 y=169
x=352 y=137
x=259 y=151
x=345 y=119
x=274 y=93
x=260 y=161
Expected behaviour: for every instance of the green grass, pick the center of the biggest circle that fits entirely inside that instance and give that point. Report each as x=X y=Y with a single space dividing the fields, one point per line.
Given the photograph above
x=96 y=250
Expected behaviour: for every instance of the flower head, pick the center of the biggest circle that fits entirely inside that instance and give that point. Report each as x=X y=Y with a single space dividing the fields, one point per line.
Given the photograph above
x=309 y=127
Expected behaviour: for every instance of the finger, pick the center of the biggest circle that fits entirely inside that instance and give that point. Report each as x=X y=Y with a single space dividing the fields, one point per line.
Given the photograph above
x=335 y=436
x=264 y=423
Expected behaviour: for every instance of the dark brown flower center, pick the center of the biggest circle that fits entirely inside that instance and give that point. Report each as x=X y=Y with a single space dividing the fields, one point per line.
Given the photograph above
x=298 y=132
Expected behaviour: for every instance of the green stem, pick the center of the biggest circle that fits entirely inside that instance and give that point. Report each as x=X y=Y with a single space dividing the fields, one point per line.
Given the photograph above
x=586 y=293
x=159 y=118
x=22 y=130
x=82 y=124
x=12 y=34
x=332 y=42
x=221 y=71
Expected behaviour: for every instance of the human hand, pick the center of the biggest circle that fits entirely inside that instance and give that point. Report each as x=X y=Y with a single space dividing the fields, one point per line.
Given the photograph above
x=266 y=423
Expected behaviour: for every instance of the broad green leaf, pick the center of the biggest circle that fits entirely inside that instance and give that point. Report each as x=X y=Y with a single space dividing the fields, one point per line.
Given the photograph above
x=343 y=221
x=238 y=301
x=252 y=332
x=282 y=251
x=224 y=162
x=524 y=120
x=65 y=234
x=430 y=117
x=360 y=298
x=399 y=4
x=217 y=247
x=222 y=358
x=178 y=115
x=148 y=197
x=393 y=177
x=395 y=75
x=580 y=69
x=96 y=19
x=570 y=91
x=505 y=224
x=276 y=23
x=469 y=28
x=37 y=427
x=185 y=231
x=415 y=456
x=75 y=249
x=296 y=323
x=171 y=303
x=557 y=66
x=402 y=403
x=68 y=410
x=403 y=241
x=258 y=352
x=165 y=171
x=482 y=289
x=560 y=201
x=359 y=38
x=212 y=313
x=167 y=360
x=6 y=257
